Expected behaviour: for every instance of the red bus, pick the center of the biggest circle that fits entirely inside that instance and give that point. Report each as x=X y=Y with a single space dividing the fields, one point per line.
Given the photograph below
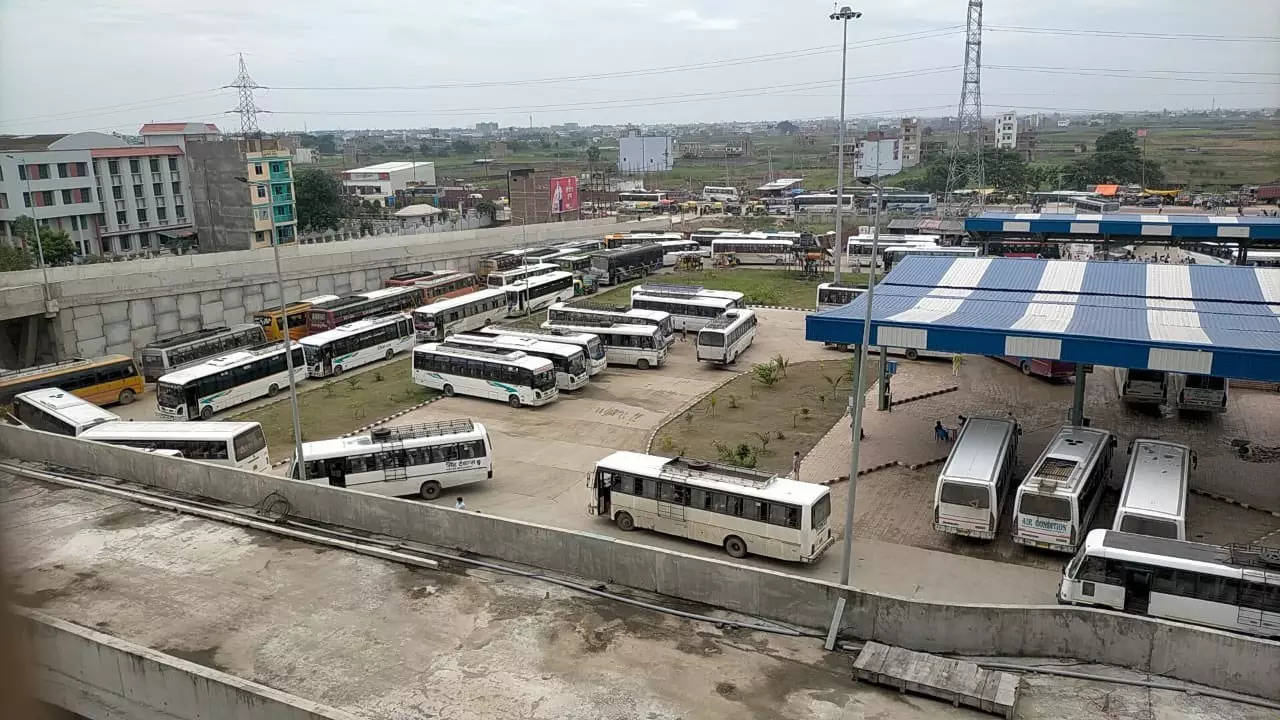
x=1049 y=369
x=331 y=314
x=414 y=278
x=444 y=286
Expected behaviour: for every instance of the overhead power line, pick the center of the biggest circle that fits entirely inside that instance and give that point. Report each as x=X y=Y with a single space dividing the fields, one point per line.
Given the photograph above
x=1132 y=34
x=1128 y=76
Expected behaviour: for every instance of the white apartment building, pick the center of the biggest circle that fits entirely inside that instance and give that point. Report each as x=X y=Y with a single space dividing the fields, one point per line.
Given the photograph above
x=379 y=182
x=143 y=193
x=1007 y=131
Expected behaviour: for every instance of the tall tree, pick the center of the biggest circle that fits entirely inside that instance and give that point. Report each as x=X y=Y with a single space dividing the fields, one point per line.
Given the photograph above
x=593 y=154
x=14 y=258
x=1116 y=159
x=319 y=199
x=57 y=245
x=786 y=127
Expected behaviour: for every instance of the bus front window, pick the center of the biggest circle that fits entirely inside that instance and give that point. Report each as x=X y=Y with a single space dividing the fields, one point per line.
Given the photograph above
x=544 y=380
x=169 y=395
x=821 y=511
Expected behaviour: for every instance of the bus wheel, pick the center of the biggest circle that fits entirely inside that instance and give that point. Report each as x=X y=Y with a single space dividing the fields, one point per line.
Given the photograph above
x=735 y=547
x=430 y=490
x=126 y=396
x=1025 y=367
x=448 y=390
x=390 y=353
x=841 y=347
x=206 y=412
x=642 y=364
x=625 y=522
x=337 y=370
x=514 y=401
x=912 y=354
x=271 y=391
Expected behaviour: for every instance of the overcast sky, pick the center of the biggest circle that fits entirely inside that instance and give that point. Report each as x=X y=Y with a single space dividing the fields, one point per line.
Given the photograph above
x=111 y=65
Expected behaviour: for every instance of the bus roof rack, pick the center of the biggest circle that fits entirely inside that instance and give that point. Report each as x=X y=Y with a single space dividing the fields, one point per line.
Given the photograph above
x=687 y=467
x=590 y=305
x=419 y=430
x=1262 y=556
x=675 y=290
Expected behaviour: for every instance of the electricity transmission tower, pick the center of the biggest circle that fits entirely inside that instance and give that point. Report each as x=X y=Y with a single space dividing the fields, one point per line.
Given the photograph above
x=965 y=168
x=247 y=110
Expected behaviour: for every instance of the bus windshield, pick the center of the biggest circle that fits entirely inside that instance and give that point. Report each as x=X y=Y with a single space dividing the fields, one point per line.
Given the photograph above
x=974 y=496
x=544 y=380
x=169 y=395
x=1045 y=506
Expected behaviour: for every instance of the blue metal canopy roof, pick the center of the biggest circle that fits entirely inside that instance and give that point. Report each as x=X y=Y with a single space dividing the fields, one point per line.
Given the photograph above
x=1216 y=320
x=1225 y=227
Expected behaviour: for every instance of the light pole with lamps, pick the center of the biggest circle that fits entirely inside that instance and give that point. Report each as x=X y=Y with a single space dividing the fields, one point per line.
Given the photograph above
x=844 y=15
x=284 y=320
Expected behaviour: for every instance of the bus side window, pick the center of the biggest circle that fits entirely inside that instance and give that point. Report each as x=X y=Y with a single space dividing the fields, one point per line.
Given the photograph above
x=650 y=488
x=1093 y=569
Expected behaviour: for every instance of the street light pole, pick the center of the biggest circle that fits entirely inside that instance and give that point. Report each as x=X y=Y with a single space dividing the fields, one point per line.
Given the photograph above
x=844 y=15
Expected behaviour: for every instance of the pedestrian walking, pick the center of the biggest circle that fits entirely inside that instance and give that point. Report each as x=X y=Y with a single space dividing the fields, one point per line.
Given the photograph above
x=956 y=361
x=459 y=505
x=795 y=465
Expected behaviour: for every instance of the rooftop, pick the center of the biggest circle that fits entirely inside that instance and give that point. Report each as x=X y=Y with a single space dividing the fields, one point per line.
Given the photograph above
x=136 y=151
x=391 y=166
x=29 y=142
x=186 y=128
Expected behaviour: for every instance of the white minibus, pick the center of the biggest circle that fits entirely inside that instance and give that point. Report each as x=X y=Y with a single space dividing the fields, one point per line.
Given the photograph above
x=202 y=390
x=1206 y=393
x=459 y=314
x=1141 y=386
x=238 y=444
x=57 y=411
x=1153 y=500
x=1060 y=495
x=726 y=337
x=976 y=478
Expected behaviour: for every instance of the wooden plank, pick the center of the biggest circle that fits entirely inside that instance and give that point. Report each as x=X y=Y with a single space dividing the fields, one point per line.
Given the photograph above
x=948 y=679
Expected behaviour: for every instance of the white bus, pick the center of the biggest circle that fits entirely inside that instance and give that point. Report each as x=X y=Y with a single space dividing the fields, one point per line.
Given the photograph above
x=822 y=203
x=641 y=201
x=688 y=312
x=359 y=343
x=238 y=444
x=516 y=274
x=1154 y=498
x=754 y=251
x=207 y=388
x=858 y=250
x=833 y=295
x=744 y=511
x=459 y=314
x=739 y=299
x=1235 y=587
x=895 y=253
x=715 y=193
x=726 y=337
x=1206 y=393
x=57 y=411
x=569 y=361
x=514 y=377
x=704 y=236
x=537 y=292
x=167 y=354
x=976 y=478
x=1059 y=497
x=1140 y=386
x=422 y=459
x=673 y=250
x=640 y=345
x=562 y=313
x=590 y=345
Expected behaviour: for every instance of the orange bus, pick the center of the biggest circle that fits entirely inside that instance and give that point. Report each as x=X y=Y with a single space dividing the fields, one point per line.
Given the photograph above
x=102 y=381
x=297 y=312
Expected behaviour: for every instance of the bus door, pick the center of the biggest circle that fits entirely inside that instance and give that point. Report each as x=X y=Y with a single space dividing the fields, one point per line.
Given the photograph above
x=1137 y=590
x=336 y=469
x=599 y=502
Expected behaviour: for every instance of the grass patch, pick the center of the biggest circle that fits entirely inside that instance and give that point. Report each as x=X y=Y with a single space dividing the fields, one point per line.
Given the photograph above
x=772 y=422
x=339 y=406
x=762 y=287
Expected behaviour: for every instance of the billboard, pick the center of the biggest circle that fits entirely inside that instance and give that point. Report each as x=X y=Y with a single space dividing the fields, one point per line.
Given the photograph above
x=564 y=194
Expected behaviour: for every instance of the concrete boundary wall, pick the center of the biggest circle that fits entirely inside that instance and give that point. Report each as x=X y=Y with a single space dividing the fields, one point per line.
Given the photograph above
x=98 y=675
x=1219 y=659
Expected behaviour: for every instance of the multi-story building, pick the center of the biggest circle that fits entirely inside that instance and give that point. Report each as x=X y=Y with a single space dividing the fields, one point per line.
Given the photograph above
x=1007 y=131
x=911 y=148
x=143 y=193
x=378 y=183
x=242 y=193
x=487 y=128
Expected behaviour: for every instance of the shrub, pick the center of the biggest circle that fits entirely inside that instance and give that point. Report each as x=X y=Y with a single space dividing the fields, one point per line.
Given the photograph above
x=767 y=374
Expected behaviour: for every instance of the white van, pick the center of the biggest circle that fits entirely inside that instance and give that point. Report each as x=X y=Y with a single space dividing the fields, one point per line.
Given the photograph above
x=976 y=478
x=1154 y=499
x=1141 y=386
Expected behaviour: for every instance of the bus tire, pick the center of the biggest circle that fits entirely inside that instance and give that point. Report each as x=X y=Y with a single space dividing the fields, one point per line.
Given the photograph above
x=1025 y=367
x=735 y=546
x=390 y=353
x=337 y=370
x=841 y=347
x=206 y=412
x=273 y=390
x=913 y=354
x=514 y=401
x=642 y=364
x=430 y=490
x=447 y=390
x=126 y=396
x=625 y=522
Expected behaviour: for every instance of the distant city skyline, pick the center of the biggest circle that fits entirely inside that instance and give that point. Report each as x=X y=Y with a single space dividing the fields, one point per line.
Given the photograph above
x=113 y=66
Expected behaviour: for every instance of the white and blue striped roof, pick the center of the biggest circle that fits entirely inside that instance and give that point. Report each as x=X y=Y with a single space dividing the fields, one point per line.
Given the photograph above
x=1174 y=225
x=1219 y=320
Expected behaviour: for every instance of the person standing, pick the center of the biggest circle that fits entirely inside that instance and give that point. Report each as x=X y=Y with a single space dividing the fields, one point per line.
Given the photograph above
x=956 y=361
x=459 y=505
x=939 y=432
x=795 y=465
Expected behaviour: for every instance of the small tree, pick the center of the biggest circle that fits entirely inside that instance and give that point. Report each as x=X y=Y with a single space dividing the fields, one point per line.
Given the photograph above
x=733 y=401
x=712 y=401
x=764 y=439
x=766 y=374
x=781 y=362
x=14 y=258
x=666 y=444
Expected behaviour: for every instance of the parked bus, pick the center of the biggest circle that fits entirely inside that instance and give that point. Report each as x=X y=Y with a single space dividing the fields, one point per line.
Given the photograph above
x=582 y=246
x=498 y=262
x=738 y=299
x=102 y=381
x=1095 y=206
x=715 y=193
x=617 y=240
x=238 y=444
x=514 y=377
x=573 y=263
x=270 y=320
x=858 y=248
x=460 y=314
x=162 y=356
x=641 y=201
x=423 y=459
x=821 y=203
x=329 y=315
x=1198 y=392
x=1039 y=367
x=1059 y=497
x=589 y=344
x=704 y=236
x=688 y=312
x=905 y=201
x=833 y=295
x=58 y=411
x=415 y=277
x=564 y=313
x=754 y=252
x=1140 y=386
x=518 y=273
x=569 y=361
x=1154 y=498
x=335 y=351
x=1236 y=587
x=620 y=264
x=640 y=345
x=976 y=478
x=744 y=511
x=674 y=249
x=537 y=292
x=201 y=390
x=895 y=253
x=726 y=337
x=447 y=285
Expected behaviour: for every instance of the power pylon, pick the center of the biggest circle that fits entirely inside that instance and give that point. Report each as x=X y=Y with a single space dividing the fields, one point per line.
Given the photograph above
x=965 y=168
x=247 y=110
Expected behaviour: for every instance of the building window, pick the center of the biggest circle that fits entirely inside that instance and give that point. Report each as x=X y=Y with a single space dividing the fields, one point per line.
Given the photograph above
x=180 y=212
x=137 y=191
x=173 y=164
x=42 y=172
x=122 y=218
x=117 y=192
x=134 y=165
x=106 y=246
x=113 y=167
x=262 y=192
x=177 y=188
x=81 y=169
x=155 y=164
x=66 y=197
x=157 y=189
x=86 y=195
x=75 y=223
x=162 y=214
x=257 y=168
x=62 y=170
x=126 y=243
x=142 y=215
x=4 y=201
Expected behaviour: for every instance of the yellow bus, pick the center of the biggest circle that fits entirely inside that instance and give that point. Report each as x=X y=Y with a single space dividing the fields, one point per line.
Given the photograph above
x=102 y=381
x=269 y=319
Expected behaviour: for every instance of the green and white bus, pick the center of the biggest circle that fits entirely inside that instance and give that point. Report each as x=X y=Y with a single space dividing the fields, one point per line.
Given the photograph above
x=202 y=390
x=514 y=377
x=359 y=343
